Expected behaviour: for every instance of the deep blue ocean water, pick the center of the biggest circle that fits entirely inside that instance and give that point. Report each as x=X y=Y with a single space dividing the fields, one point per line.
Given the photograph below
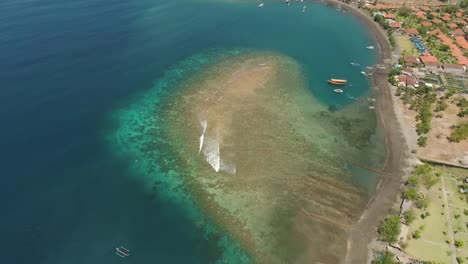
x=66 y=65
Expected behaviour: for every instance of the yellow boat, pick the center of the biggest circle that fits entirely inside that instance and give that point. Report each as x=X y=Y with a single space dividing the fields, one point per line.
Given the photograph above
x=337 y=81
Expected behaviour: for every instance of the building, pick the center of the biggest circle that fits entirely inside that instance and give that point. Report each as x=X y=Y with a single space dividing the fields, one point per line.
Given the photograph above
x=411 y=61
x=454 y=68
x=461 y=41
x=395 y=25
x=430 y=62
x=412 y=32
x=436 y=21
x=389 y=16
x=458 y=32
x=452 y=25
x=426 y=24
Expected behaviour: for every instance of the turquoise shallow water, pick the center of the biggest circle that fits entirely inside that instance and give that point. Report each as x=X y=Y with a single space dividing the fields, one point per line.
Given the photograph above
x=74 y=74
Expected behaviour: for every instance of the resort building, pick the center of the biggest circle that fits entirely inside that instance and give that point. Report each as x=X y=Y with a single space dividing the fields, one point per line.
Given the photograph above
x=411 y=61
x=458 y=32
x=412 y=32
x=426 y=24
x=389 y=16
x=461 y=41
x=430 y=62
x=395 y=25
x=454 y=68
x=436 y=21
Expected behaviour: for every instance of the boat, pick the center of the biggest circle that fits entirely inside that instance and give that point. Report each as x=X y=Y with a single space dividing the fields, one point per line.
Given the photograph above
x=363 y=73
x=355 y=64
x=370 y=47
x=304 y=8
x=122 y=252
x=338 y=91
x=261 y=5
x=337 y=81
x=371 y=107
x=370 y=68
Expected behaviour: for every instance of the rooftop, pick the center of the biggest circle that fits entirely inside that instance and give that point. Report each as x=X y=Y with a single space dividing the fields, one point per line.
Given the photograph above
x=436 y=21
x=430 y=60
x=395 y=25
x=412 y=31
x=461 y=41
x=426 y=24
x=458 y=32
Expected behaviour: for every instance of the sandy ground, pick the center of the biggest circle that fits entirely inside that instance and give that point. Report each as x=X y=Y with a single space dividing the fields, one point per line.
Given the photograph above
x=398 y=156
x=438 y=146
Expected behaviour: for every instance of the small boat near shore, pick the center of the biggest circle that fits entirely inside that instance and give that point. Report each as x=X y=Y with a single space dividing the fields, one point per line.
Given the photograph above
x=338 y=91
x=261 y=5
x=354 y=64
x=337 y=81
x=122 y=252
x=370 y=47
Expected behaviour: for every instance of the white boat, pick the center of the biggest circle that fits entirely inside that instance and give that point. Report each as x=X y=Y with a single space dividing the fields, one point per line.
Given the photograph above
x=338 y=91
x=370 y=68
x=370 y=47
x=122 y=252
x=304 y=8
x=355 y=64
x=363 y=73
x=371 y=107
x=261 y=5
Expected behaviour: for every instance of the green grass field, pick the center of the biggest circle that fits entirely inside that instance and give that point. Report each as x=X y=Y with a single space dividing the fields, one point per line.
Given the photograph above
x=407 y=47
x=433 y=244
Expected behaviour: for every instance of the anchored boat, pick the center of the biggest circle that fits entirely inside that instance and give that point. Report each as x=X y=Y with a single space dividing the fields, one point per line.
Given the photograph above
x=338 y=91
x=337 y=81
x=122 y=252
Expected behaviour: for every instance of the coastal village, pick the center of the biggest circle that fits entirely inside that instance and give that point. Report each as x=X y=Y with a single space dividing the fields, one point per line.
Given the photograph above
x=429 y=84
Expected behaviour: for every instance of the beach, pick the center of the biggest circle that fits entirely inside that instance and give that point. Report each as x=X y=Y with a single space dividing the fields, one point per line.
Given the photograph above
x=398 y=153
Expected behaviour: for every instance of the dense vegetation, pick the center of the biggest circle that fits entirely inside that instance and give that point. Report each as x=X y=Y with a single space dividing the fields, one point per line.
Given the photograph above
x=426 y=176
x=389 y=229
x=459 y=133
x=385 y=257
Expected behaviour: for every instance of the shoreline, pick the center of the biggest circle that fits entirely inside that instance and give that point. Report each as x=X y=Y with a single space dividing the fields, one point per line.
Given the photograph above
x=398 y=161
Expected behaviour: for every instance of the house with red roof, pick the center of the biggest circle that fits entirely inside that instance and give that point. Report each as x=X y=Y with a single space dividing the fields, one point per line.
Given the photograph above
x=461 y=41
x=435 y=31
x=426 y=24
x=452 y=25
x=425 y=8
x=430 y=61
x=411 y=61
x=389 y=16
x=446 y=19
x=436 y=21
x=434 y=14
x=395 y=25
x=458 y=32
x=412 y=31
x=421 y=15
x=459 y=14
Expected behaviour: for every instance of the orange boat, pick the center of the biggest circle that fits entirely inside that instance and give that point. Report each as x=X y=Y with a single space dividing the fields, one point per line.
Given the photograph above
x=337 y=81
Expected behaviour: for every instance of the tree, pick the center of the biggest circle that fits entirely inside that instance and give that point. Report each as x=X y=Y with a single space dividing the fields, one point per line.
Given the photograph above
x=410 y=194
x=422 y=141
x=409 y=216
x=404 y=11
x=389 y=229
x=422 y=202
x=385 y=257
x=444 y=47
x=429 y=180
x=459 y=243
x=459 y=132
x=464 y=3
x=413 y=180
